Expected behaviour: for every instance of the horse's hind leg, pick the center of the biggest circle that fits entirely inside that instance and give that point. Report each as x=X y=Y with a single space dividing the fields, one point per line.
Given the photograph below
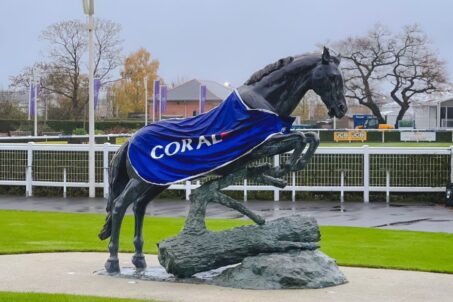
x=131 y=192
x=139 y=211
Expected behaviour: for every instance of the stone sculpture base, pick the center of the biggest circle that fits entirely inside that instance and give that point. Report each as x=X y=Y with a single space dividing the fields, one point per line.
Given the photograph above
x=188 y=254
x=298 y=269
x=279 y=254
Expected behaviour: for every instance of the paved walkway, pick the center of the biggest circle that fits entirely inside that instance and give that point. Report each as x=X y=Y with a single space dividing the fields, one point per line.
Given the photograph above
x=72 y=273
x=403 y=216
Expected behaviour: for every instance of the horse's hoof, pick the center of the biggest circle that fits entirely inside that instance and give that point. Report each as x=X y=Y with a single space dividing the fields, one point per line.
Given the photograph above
x=112 y=266
x=139 y=261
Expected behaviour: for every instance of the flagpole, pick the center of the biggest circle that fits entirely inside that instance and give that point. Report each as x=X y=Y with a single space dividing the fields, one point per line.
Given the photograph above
x=160 y=102
x=154 y=101
x=145 y=80
x=163 y=99
x=29 y=99
x=36 y=110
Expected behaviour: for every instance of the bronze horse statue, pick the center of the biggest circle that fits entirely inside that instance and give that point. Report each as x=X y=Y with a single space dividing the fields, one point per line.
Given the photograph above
x=278 y=88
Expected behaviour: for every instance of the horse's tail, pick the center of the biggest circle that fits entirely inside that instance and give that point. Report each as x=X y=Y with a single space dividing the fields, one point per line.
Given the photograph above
x=118 y=179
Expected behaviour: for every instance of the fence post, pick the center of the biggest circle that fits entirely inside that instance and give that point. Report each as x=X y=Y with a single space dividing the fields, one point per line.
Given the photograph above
x=451 y=164
x=366 y=174
x=387 y=186
x=105 y=170
x=29 y=171
x=245 y=190
x=276 y=190
x=64 y=182
x=293 y=191
x=188 y=189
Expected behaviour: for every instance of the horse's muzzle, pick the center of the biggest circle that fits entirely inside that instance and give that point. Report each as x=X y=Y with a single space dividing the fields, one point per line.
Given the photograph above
x=338 y=110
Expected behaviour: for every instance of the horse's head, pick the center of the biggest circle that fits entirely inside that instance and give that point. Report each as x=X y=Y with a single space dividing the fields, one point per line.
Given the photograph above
x=327 y=82
x=280 y=86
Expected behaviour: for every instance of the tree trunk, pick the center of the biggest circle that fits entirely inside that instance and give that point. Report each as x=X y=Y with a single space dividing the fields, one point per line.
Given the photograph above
x=401 y=114
x=376 y=111
x=187 y=253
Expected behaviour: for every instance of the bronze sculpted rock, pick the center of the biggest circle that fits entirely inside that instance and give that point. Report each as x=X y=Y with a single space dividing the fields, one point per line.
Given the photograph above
x=276 y=89
x=188 y=254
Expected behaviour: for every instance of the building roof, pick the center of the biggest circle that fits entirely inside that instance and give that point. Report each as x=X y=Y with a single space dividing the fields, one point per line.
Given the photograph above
x=190 y=91
x=433 y=102
x=438 y=97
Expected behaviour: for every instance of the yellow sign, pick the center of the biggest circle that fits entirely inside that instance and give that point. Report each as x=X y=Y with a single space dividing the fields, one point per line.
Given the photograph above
x=121 y=140
x=54 y=142
x=341 y=136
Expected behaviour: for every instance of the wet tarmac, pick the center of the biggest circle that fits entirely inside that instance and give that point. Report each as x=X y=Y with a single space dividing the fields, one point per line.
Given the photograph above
x=416 y=216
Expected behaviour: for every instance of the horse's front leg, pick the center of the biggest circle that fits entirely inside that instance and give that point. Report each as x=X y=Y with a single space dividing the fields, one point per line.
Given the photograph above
x=312 y=139
x=282 y=143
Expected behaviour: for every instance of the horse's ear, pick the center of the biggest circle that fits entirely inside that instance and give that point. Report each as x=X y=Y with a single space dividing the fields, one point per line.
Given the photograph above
x=325 y=56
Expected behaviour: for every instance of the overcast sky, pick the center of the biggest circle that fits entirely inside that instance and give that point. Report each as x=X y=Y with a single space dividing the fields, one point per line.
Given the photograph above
x=221 y=40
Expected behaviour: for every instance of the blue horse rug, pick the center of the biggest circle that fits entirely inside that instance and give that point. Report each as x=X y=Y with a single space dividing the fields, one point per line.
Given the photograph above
x=175 y=150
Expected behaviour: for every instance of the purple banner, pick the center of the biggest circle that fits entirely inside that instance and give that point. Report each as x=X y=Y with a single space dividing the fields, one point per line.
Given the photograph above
x=202 y=105
x=163 y=98
x=32 y=100
x=156 y=96
x=97 y=87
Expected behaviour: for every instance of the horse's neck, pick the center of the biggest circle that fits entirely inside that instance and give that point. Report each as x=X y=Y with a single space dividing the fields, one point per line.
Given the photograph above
x=278 y=97
x=290 y=98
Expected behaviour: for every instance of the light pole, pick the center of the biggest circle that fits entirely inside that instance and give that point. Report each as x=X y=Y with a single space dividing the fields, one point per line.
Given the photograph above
x=145 y=83
x=88 y=9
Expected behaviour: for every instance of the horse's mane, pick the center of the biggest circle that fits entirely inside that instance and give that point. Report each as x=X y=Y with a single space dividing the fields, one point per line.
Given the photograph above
x=257 y=76
x=311 y=58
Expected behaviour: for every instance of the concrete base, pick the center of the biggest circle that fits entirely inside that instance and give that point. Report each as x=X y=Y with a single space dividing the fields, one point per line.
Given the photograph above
x=73 y=273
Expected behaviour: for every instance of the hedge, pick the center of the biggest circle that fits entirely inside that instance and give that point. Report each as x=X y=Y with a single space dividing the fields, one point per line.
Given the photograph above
x=67 y=126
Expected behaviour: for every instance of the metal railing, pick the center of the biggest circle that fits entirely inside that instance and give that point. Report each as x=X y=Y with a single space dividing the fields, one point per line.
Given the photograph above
x=333 y=169
x=377 y=135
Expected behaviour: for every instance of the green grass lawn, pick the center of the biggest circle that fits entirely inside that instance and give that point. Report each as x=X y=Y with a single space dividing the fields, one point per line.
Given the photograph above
x=389 y=144
x=36 y=297
x=26 y=232
x=30 y=232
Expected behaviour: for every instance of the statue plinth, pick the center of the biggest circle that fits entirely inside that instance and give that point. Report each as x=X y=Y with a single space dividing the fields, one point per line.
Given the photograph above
x=188 y=254
x=279 y=254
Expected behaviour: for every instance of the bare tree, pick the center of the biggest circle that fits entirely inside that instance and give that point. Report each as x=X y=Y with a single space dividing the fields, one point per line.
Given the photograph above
x=180 y=79
x=10 y=105
x=108 y=48
x=62 y=73
x=311 y=107
x=416 y=70
x=402 y=65
x=364 y=60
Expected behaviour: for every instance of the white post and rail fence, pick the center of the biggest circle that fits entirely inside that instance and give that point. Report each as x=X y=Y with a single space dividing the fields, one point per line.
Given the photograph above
x=332 y=169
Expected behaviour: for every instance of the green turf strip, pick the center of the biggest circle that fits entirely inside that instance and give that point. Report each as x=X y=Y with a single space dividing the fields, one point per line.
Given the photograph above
x=26 y=232
x=37 y=297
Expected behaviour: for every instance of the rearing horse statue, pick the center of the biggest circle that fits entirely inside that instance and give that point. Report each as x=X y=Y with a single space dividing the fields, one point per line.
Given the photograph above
x=258 y=122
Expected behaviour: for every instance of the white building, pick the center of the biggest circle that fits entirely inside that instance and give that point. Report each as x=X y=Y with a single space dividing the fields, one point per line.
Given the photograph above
x=435 y=111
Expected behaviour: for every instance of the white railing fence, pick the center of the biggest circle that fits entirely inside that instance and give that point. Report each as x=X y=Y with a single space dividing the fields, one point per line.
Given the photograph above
x=334 y=169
